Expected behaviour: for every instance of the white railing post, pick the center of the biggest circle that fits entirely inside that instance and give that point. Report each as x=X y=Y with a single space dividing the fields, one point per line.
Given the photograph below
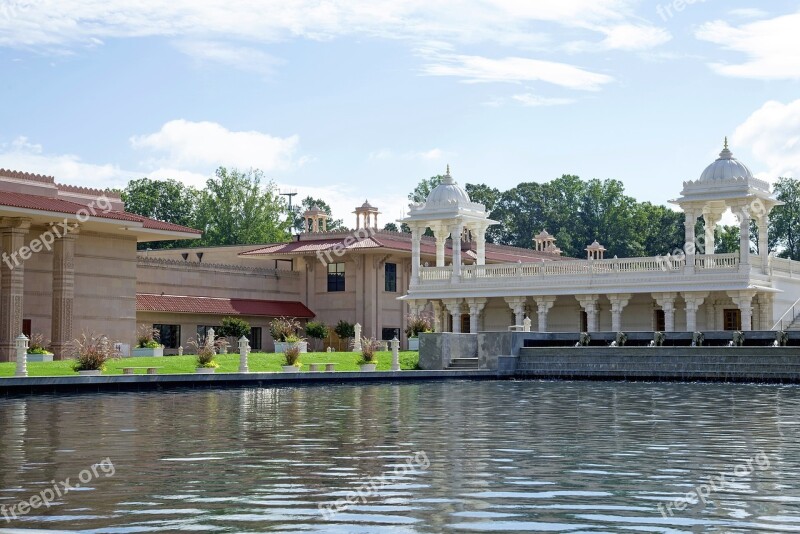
x=395 y=343
x=22 y=355
x=244 y=350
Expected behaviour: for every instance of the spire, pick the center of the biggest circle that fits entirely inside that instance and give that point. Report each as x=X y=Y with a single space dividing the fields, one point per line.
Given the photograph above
x=726 y=141
x=447 y=178
x=726 y=153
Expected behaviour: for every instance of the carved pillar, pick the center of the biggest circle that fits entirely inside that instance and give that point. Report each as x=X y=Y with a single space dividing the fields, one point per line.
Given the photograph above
x=667 y=303
x=480 y=245
x=436 y=306
x=693 y=301
x=12 y=278
x=63 y=292
x=763 y=242
x=440 y=233
x=743 y=214
x=589 y=305
x=690 y=246
x=476 y=306
x=455 y=237
x=765 y=305
x=543 y=305
x=416 y=236
x=454 y=308
x=618 y=303
x=744 y=301
x=517 y=305
x=711 y=216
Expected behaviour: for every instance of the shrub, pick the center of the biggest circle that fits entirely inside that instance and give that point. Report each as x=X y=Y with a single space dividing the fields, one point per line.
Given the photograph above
x=345 y=330
x=147 y=337
x=37 y=345
x=369 y=347
x=234 y=327
x=417 y=324
x=206 y=349
x=317 y=330
x=291 y=355
x=283 y=327
x=91 y=352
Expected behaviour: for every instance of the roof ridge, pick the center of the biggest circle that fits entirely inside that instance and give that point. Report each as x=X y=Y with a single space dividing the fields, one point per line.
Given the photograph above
x=88 y=190
x=21 y=175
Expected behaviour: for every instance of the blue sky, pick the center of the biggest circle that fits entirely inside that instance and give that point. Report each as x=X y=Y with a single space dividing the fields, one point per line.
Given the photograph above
x=353 y=99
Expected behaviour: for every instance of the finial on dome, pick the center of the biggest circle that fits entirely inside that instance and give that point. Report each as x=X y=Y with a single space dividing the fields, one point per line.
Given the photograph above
x=448 y=170
x=726 y=142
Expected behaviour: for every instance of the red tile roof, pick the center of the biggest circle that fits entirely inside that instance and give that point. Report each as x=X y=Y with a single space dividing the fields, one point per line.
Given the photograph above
x=58 y=205
x=221 y=306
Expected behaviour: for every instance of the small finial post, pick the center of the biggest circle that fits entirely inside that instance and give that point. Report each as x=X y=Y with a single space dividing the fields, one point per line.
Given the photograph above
x=726 y=141
x=448 y=170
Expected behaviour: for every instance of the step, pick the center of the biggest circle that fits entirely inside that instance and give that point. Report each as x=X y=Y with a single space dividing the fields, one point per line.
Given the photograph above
x=464 y=363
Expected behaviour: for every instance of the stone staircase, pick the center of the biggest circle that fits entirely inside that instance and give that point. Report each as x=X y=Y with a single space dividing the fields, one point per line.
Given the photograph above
x=795 y=324
x=459 y=364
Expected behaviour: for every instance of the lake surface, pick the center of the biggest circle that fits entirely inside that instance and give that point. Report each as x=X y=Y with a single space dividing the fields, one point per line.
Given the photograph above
x=460 y=456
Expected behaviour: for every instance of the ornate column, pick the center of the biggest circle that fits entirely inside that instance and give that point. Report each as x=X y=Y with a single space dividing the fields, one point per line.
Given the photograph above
x=454 y=308
x=690 y=245
x=480 y=245
x=711 y=216
x=763 y=242
x=455 y=236
x=436 y=306
x=744 y=301
x=517 y=305
x=12 y=278
x=743 y=214
x=618 y=303
x=667 y=303
x=440 y=233
x=693 y=301
x=543 y=305
x=589 y=305
x=476 y=306
x=765 y=305
x=63 y=292
x=416 y=236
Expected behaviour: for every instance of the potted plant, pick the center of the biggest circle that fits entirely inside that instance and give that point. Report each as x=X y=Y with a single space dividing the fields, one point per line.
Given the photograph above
x=416 y=325
x=206 y=350
x=91 y=352
x=284 y=332
x=369 y=358
x=291 y=356
x=317 y=330
x=738 y=338
x=37 y=349
x=659 y=338
x=147 y=342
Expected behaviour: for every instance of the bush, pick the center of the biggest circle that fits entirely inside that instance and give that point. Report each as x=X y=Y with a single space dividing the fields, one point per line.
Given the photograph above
x=317 y=330
x=283 y=327
x=147 y=337
x=234 y=327
x=345 y=330
x=37 y=345
x=369 y=347
x=417 y=324
x=206 y=350
x=91 y=352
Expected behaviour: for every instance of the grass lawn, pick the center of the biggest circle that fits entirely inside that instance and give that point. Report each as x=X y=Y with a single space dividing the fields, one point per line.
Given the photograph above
x=228 y=363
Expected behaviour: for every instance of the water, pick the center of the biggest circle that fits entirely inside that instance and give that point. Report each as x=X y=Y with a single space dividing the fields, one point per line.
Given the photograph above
x=491 y=457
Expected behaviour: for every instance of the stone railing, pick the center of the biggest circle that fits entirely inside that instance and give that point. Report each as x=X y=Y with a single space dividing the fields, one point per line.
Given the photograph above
x=783 y=265
x=609 y=267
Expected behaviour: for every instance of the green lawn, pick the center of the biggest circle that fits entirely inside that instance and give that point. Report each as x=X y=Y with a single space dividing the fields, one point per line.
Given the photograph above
x=228 y=363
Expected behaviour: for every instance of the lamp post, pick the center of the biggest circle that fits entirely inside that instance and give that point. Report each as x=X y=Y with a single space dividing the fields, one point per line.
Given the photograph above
x=395 y=343
x=22 y=355
x=244 y=349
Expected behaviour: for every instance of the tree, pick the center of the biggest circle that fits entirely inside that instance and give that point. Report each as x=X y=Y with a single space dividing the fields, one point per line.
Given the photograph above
x=235 y=209
x=333 y=225
x=163 y=200
x=391 y=227
x=424 y=188
x=317 y=330
x=234 y=327
x=345 y=330
x=784 y=228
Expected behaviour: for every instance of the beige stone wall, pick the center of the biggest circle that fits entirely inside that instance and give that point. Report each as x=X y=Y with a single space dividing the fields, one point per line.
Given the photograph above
x=219 y=255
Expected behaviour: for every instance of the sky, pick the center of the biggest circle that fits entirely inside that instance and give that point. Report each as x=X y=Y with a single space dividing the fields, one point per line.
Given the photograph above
x=349 y=100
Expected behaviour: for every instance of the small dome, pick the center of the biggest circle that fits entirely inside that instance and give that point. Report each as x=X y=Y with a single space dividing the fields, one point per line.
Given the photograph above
x=448 y=192
x=726 y=167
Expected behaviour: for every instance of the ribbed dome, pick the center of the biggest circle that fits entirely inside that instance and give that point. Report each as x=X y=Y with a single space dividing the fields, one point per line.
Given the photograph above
x=726 y=168
x=448 y=192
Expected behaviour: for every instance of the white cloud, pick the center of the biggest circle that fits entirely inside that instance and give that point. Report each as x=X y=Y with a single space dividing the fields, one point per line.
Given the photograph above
x=773 y=134
x=748 y=13
x=432 y=154
x=22 y=155
x=200 y=146
x=476 y=69
x=633 y=37
x=772 y=46
x=240 y=57
x=532 y=100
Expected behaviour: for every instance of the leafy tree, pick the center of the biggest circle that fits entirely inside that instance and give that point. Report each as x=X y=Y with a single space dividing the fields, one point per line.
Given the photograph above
x=345 y=330
x=333 y=225
x=424 y=188
x=234 y=327
x=784 y=230
x=236 y=209
x=391 y=227
x=163 y=200
x=317 y=330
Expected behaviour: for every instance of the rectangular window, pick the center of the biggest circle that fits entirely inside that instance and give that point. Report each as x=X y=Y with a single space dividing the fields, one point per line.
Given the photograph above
x=255 y=338
x=335 y=277
x=732 y=320
x=388 y=334
x=660 y=321
x=202 y=331
x=584 y=322
x=465 y=324
x=390 y=271
x=170 y=335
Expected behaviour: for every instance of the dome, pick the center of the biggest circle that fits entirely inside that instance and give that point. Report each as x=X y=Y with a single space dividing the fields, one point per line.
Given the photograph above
x=448 y=192
x=726 y=168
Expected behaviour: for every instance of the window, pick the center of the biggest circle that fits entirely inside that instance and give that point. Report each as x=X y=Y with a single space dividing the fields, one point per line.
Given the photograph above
x=390 y=271
x=26 y=327
x=584 y=322
x=660 y=322
x=202 y=331
x=388 y=334
x=732 y=320
x=255 y=338
x=335 y=277
x=170 y=335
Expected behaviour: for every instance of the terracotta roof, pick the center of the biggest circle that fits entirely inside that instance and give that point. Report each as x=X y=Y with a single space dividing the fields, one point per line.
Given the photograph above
x=221 y=306
x=401 y=242
x=58 y=205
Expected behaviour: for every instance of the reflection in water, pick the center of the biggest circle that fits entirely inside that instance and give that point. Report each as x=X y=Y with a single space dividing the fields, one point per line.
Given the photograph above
x=504 y=456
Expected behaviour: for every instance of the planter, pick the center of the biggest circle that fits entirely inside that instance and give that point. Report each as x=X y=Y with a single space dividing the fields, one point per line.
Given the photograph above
x=147 y=353
x=90 y=373
x=367 y=367
x=281 y=346
x=205 y=370
x=413 y=343
x=39 y=357
x=290 y=368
